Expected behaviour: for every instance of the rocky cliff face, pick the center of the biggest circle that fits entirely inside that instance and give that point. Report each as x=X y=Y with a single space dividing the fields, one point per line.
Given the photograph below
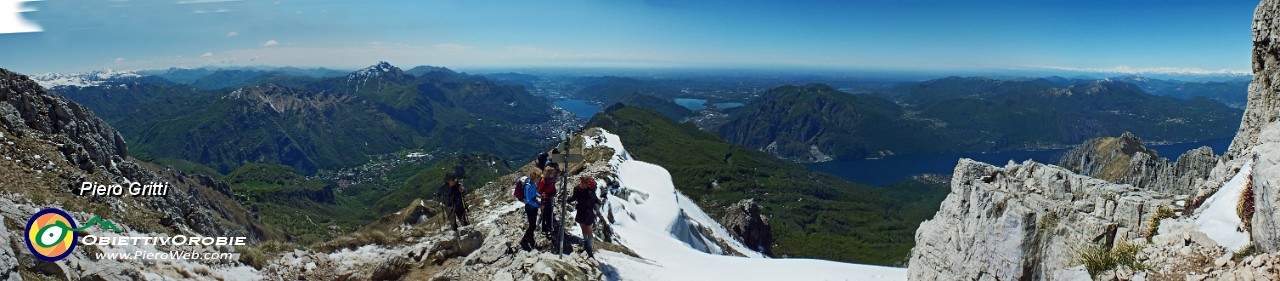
x=1126 y=160
x=27 y=110
x=1260 y=129
x=1263 y=96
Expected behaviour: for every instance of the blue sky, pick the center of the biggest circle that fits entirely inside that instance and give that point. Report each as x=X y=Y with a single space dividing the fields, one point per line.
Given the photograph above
x=881 y=34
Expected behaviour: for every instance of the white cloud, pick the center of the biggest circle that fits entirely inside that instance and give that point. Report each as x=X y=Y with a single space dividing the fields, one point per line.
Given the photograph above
x=270 y=43
x=233 y=34
x=1125 y=69
x=207 y=55
x=11 y=20
x=118 y=60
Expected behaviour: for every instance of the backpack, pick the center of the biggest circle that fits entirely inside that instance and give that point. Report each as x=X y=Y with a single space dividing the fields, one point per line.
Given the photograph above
x=519 y=189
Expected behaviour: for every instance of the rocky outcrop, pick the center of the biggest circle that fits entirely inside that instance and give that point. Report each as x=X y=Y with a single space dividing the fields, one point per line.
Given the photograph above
x=1024 y=221
x=8 y=259
x=745 y=223
x=88 y=142
x=50 y=146
x=1126 y=160
x=1266 y=191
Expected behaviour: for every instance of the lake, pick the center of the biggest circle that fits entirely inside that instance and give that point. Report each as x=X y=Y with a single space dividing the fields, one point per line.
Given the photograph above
x=899 y=167
x=580 y=108
x=692 y=104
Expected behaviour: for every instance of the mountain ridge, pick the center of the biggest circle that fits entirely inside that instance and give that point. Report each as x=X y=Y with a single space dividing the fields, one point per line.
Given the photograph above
x=817 y=123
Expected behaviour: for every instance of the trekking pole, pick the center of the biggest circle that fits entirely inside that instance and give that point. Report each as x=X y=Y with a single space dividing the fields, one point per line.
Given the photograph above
x=563 y=189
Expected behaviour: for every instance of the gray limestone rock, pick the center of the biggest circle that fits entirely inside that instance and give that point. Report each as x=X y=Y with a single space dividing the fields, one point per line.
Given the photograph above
x=8 y=259
x=1023 y=222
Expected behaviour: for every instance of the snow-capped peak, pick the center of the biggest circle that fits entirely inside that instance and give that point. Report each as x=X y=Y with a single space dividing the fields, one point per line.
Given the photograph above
x=379 y=69
x=84 y=79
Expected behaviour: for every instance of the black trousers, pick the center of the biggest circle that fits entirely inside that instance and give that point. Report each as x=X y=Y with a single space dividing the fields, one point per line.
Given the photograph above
x=459 y=215
x=530 y=213
x=549 y=218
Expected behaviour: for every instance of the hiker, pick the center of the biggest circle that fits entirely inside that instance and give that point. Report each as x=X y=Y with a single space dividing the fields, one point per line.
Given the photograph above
x=452 y=192
x=541 y=162
x=531 y=199
x=585 y=196
x=547 y=188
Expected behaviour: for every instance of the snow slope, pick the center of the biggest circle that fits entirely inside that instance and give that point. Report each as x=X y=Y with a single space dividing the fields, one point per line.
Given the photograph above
x=655 y=221
x=1219 y=219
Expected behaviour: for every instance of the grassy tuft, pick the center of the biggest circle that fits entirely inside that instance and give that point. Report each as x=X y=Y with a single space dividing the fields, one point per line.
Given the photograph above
x=1245 y=207
x=258 y=256
x=1249 y=250
x=1153 y=227
x=1046 y=224
x=1097 y=258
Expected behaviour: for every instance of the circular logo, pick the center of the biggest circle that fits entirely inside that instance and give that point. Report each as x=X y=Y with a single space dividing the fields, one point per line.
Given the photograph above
x=49 y=234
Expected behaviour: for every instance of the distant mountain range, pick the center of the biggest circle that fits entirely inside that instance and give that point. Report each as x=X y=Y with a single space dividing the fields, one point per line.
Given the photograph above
x=816 y=122
x=230 y=117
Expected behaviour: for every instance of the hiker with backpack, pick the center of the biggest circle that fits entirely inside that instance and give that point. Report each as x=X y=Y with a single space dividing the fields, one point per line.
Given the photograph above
x=526 y=190
x=586 y=203
x=547 y=188
x=452 y=192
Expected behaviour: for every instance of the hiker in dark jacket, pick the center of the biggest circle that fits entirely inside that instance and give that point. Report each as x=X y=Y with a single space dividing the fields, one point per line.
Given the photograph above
x=547 y=188
x=531 y=203
x=452 y=192
x=541 y=162
x=587 y=202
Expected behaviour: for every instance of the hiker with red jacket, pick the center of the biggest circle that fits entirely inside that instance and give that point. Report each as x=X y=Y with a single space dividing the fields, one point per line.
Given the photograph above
x=587 y=202
x=547 y=188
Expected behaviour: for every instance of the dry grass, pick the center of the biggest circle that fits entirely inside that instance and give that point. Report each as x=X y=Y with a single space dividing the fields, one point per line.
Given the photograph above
x=258 y=256
x=1097 y=258
x=1245 y=206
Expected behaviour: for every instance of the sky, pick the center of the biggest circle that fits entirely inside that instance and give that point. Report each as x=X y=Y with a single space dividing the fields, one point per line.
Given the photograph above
x=1119 y=36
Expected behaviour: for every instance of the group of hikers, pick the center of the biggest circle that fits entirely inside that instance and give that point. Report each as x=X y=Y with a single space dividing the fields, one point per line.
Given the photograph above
x=538 y=191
